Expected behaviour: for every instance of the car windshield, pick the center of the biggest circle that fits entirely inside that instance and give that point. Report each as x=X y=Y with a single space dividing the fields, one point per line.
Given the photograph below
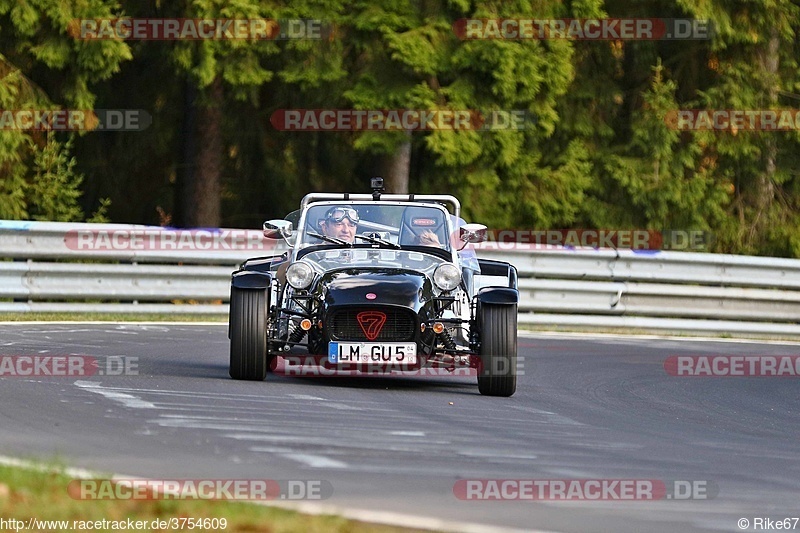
x=388 y=226
x=364 y=258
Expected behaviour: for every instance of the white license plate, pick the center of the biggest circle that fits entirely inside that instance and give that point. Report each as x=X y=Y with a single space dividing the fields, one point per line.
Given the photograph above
x=403 y=353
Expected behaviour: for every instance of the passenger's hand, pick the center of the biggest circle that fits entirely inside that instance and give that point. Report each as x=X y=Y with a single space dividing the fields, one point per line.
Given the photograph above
x=429 y=238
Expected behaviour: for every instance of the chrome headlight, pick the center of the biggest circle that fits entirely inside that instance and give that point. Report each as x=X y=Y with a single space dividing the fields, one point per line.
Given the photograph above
x=447 y=276
x=299 y=275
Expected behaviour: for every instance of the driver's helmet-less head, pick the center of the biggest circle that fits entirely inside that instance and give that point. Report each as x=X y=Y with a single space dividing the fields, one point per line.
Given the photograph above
x=338 y=213
x=340 y=222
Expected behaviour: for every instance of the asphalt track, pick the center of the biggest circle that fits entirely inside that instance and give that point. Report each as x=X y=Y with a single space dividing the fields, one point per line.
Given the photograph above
x=586 y=408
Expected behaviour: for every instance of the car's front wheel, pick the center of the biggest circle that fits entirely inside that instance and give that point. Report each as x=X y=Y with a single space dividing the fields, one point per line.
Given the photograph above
x=498 y=329
x=248 y=334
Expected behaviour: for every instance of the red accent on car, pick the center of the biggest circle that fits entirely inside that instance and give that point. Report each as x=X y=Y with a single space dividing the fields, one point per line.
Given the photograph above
x=371 y=323
x=371 y=296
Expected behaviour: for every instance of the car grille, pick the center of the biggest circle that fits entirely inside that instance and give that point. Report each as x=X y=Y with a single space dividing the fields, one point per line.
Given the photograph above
x=400 y=325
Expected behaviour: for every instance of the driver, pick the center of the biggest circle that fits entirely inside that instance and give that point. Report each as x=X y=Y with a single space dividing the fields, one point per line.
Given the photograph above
x=340 y=222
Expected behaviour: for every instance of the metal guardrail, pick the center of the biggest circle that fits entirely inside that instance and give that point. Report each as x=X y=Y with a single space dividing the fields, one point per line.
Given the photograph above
x=47 y=269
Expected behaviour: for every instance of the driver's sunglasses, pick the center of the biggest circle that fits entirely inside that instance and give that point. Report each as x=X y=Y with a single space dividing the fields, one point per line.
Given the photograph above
x=338 y=215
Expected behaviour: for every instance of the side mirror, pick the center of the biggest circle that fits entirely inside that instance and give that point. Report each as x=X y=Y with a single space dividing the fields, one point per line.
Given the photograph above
x=277 y=229
x=472 y=233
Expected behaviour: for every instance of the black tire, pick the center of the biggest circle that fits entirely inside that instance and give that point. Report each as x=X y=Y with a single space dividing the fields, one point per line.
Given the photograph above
x=248 y=334
x=498 y=373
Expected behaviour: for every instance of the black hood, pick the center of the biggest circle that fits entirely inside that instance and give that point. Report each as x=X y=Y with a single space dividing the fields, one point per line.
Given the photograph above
x=390 y=287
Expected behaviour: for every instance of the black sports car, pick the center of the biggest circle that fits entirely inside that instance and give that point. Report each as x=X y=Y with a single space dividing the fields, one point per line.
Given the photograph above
x=378 y=280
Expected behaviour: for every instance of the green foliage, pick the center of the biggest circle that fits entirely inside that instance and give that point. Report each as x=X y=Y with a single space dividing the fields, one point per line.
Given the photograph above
x=754 y=63
x=55 y=189
x=101 y=215
x=237 y=61
x=38 y=178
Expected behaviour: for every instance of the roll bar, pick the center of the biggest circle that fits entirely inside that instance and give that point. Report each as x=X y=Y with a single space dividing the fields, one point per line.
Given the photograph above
x=346 y=197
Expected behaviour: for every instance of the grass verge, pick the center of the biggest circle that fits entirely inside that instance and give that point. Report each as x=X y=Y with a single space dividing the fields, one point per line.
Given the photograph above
x=623 y=332
x=42 y=494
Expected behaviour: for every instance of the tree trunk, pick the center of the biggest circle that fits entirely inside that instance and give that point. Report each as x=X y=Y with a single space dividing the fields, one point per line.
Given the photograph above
x=765 y=185
x=184 y=173
x=399 y=167
x=201 y=201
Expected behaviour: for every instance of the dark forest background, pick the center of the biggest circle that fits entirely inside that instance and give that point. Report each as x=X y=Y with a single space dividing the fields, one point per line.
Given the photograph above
x=601 y=154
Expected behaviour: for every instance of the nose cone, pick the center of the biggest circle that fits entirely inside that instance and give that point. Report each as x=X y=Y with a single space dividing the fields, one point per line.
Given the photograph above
x=385 y=287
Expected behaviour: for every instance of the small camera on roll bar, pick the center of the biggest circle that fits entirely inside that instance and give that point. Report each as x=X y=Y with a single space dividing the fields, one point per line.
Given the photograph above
x=376 y=184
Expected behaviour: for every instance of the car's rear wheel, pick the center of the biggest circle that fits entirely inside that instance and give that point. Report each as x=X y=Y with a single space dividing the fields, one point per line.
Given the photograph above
x=248 y=334
x=498 y=373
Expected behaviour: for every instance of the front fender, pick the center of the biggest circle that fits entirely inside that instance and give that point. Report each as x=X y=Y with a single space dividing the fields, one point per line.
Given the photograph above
x=498 y=296
x=251 y=279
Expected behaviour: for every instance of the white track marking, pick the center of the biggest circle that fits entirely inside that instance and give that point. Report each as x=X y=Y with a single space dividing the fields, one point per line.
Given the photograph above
x=314 y=461
x=128 y=400
x=304 y=397
x=269 y=449
x=497 y=455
